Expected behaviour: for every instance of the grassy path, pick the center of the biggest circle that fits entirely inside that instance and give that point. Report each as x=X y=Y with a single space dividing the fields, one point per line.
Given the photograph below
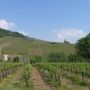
x=9 y=83
x=15 y=82
x=38 y=81
x=68 y=83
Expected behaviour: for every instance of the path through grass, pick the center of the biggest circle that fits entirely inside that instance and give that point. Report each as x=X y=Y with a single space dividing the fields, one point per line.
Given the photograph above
x=15 y=82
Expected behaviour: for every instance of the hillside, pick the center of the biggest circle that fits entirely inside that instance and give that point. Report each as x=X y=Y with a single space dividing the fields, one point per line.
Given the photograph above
x=19 y=44
x=4 y=33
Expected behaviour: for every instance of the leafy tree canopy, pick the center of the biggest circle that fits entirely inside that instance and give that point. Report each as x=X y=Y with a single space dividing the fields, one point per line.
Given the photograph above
x=83 y=47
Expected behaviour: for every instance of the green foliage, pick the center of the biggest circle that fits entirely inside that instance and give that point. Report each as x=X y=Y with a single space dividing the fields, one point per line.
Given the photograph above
x=7 y=68
x=57 y=57
x=75 y=58
x=76 y=72
x=62 y=57
x=36 y=59
x=51 y=73
x=27 y=73
x=4 y=33
x=83 y=47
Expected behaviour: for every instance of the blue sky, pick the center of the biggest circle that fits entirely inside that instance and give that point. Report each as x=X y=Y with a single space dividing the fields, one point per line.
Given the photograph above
x=53 y=20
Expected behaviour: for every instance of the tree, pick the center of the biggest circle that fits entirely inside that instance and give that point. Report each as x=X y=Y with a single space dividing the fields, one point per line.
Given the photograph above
x=83 y=47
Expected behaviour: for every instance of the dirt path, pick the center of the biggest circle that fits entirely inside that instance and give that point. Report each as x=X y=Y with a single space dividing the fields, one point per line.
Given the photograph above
x=38 y=81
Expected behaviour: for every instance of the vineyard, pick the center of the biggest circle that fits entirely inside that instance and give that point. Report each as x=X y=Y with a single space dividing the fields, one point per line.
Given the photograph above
x=18 y=71
x=8 y=68
x=57 y=75
x=32 y=64
x=77 y=73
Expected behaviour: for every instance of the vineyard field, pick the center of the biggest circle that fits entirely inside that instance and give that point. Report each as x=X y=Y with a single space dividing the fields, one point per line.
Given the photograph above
x=55 y=74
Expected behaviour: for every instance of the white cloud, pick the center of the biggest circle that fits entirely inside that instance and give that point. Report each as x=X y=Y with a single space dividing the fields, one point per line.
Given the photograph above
x=6 y=25
x=24 y=33
x=71 y=35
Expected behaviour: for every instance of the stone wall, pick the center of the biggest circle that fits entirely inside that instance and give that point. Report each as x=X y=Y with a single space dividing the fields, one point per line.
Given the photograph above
x=6 y=57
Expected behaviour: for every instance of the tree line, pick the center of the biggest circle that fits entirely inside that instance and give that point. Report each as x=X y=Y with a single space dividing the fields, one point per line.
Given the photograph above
x=82 y=52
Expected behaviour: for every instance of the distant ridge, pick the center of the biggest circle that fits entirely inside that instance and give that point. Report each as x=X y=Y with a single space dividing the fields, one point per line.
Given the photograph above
x=5 y=33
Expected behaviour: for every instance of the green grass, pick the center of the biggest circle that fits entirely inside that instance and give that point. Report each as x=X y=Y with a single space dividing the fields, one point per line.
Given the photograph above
x=20 y=46
x=15 y=82
x=62 y=88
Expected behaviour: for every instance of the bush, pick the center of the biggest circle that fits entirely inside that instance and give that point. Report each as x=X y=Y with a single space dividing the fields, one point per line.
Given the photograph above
x=57 y=57
x=36 y=59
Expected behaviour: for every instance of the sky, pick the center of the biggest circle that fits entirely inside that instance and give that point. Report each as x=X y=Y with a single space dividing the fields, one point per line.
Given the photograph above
x=52 y=20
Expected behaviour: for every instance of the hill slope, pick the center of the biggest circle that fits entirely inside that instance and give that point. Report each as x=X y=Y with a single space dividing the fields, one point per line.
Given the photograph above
x=4 y=33
x=20 y=44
